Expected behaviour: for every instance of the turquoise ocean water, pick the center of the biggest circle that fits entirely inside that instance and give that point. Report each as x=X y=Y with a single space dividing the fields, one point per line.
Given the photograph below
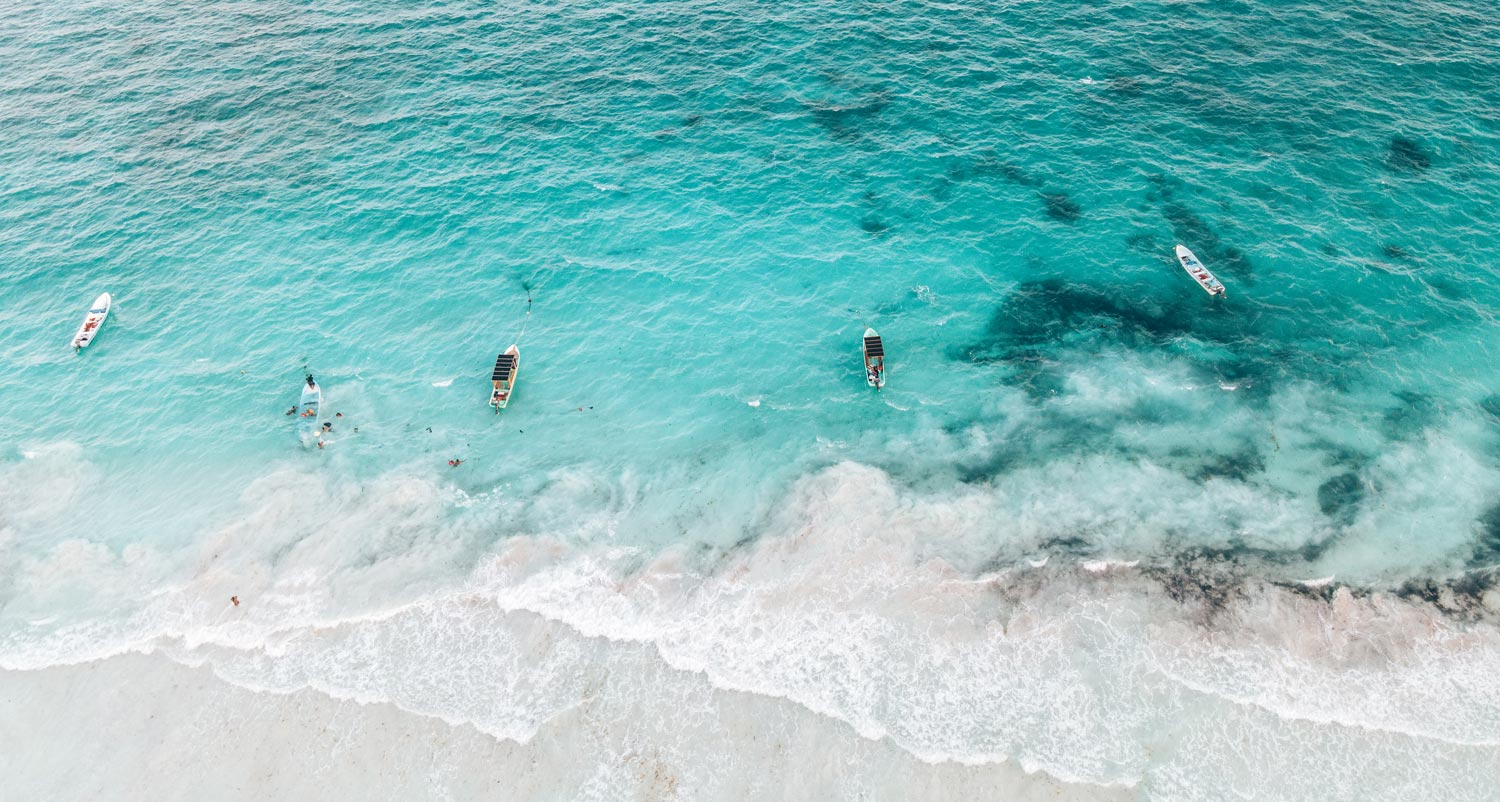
x=1100 y=536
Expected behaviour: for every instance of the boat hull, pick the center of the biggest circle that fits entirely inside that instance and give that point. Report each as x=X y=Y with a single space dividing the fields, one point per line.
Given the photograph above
x=872 y=348
x=92 y=322
x=1199 y=273
x=504 y=376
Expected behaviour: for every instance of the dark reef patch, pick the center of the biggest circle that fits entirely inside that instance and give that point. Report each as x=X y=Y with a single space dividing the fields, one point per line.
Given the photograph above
x=1487 y=547
x=990 y=165
x=1195 y=232
x=1323 y=593
x=1447 y=288
x=1315 y=549
x=1239 y=465
x=1203 y=578
x=978 y=471
x=1461 y=596
x=1412 y=414
x=847 y=123
x=1341 y=455
x=1060 y=207
x=1042 y=312
x=1471 y=585
x=1403 y=155
x=1039 y=377
x=1069 y=545
x=1013 y=173
x=1128 y=86
x=1143 y=242
x=1427 y=590
x=1042 y=316
x=1393 y=251
x=1339 y=498
x=942 y=188
x=873 y=225
x=1491 y=406
x=1163 y=187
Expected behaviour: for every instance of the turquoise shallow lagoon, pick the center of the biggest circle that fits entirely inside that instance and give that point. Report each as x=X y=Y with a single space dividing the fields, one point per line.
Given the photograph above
x=1101 y=536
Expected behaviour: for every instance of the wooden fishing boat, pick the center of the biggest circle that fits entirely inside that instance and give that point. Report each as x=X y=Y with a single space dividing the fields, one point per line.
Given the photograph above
x=504 y=377
x=874 y=351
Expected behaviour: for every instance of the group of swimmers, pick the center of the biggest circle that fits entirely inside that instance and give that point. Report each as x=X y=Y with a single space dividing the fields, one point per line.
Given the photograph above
x=327 y=427
x=312 y=412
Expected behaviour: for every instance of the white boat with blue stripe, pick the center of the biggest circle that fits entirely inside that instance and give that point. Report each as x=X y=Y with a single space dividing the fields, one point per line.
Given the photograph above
x=1199 y=273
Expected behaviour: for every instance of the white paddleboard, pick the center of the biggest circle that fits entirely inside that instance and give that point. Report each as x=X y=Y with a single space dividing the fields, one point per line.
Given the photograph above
x=92 y=322
x=312 y=402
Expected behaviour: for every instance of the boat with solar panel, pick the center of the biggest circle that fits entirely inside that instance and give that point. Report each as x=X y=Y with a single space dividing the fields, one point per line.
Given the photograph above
x=874 y=351
x=1199 y=273
x=507 y=365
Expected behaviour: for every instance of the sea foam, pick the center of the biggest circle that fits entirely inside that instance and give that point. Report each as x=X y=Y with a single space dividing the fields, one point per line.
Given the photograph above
x=853 y=603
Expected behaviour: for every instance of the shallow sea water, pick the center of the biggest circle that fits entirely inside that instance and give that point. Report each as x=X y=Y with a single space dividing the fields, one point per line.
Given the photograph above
x=1100 y=537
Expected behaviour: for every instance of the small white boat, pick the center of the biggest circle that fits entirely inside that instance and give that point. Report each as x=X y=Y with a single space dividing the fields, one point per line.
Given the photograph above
x=874 y=351
x=1199 y=273
x=307 y=411
x=92 y=322
x=507 y=365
